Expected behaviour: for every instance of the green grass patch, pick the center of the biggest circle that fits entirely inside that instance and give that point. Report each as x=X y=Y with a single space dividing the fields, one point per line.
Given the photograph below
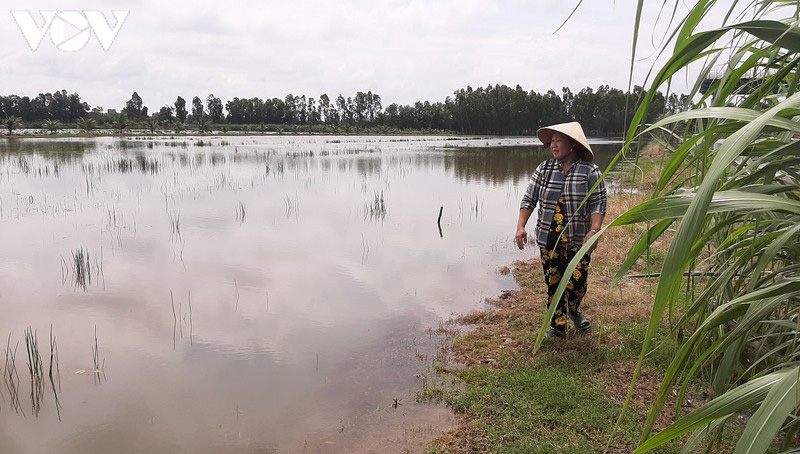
x=542 y=410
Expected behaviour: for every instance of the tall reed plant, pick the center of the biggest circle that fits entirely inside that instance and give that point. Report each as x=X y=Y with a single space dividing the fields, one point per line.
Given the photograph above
x=730 y=190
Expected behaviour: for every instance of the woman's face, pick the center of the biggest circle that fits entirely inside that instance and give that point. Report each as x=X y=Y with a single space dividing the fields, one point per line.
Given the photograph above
x=563 y=147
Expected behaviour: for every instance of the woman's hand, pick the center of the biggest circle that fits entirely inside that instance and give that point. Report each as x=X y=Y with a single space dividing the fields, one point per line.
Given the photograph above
x=521 y=237
x=586 y=240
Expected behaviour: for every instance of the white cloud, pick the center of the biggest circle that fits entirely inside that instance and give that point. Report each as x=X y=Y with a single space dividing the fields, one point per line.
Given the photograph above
x=403 y=50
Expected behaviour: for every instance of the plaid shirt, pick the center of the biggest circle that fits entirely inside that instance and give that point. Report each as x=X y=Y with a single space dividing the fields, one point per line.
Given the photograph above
x=548 y=183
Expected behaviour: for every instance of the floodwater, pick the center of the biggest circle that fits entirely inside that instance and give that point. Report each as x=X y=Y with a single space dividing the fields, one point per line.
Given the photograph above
x=243 y=294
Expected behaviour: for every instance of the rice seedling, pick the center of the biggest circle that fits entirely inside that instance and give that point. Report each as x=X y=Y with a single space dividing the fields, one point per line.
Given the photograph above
x=175 y=224
x=55 y=377
x=99 y=365
x=11 y=376
x=35 y=370
x=81 y=268
x=375 y=208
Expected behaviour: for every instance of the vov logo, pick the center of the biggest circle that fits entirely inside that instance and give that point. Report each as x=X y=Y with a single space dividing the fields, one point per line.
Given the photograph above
x=69 y=31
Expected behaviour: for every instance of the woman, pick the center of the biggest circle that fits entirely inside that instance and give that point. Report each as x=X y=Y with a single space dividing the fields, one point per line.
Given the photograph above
x=559 y=185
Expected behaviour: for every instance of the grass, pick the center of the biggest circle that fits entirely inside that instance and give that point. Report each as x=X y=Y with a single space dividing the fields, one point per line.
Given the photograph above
x=55 y=374
x=99 y=364
x=35 y=370
x=567 y=397
x=375 y=208
x=11 y=376
x=174 y=224
x=81 y=268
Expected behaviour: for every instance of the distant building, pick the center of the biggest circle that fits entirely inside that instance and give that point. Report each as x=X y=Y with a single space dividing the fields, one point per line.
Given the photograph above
x=112 y=111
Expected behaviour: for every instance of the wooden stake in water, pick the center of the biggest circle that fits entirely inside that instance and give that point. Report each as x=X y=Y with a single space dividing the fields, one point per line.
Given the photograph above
x=439 y=221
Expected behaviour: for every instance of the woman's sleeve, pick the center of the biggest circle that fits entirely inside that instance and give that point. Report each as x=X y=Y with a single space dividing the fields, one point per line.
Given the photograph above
x=598 y=200
x=531 y=196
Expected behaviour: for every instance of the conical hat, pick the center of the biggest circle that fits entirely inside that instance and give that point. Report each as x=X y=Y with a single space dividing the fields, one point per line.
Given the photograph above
x=572 y=129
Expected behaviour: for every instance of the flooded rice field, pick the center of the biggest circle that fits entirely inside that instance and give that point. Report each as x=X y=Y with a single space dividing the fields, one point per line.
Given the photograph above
x=243 y=294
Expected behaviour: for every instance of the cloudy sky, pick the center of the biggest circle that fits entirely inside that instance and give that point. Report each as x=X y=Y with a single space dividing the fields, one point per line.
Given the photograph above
x=403 y=50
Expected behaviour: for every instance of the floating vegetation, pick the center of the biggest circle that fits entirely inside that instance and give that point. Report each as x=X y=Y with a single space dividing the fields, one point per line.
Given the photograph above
x=375 y=209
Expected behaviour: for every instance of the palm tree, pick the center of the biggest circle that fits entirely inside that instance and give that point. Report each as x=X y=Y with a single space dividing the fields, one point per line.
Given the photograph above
x=178 y=127
x=86 y=124
x=152 y=123
x=121 y=124
x=51 y=125
x=11 y=123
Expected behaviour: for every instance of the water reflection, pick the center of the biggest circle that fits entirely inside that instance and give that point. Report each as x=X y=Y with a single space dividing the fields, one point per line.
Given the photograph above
x=273 y=289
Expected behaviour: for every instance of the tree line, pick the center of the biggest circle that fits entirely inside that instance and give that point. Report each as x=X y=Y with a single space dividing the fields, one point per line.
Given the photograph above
x=494 y=109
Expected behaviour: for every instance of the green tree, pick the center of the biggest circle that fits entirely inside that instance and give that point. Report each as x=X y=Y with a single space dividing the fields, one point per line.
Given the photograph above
x=52 y=125
x=180 y=109
x=86 y=124
x=11 y=123
x=121 y=124
x=203 y=124
x=152 y=123
x=197 y=108
x=134 y=108
x=165 y=114
x=214 y=105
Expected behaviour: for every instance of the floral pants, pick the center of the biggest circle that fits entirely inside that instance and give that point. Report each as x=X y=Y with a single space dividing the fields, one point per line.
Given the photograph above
x=555 y=258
